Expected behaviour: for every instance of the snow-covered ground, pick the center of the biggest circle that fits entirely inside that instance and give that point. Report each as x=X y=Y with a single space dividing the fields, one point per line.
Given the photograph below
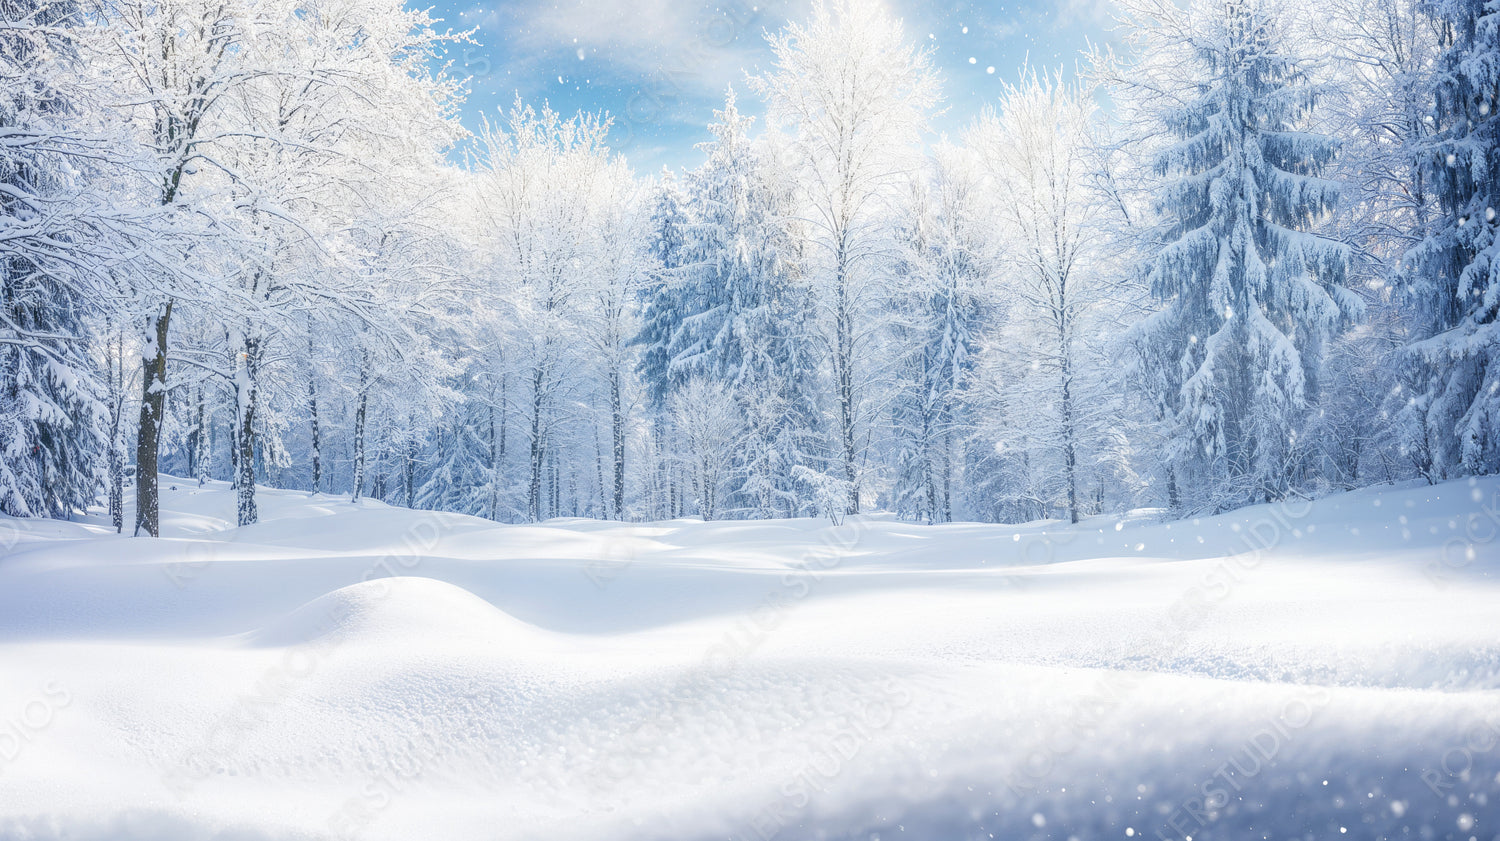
x=1316 y=670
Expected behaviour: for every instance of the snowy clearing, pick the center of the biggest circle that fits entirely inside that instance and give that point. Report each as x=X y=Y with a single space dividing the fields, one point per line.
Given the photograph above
x=1285 y=671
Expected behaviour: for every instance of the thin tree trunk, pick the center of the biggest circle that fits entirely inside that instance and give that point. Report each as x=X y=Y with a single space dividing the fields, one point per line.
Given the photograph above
x=247 y=398
x=196 y=396
x=928 y=466
x=1070 y=452
x=153 y=409
x=599 y=473
x=947 y=495
x=317 y=434
x=494 y=512
x=617 y=427
x=116 y=444
x=554 y=481
x=573 y=490
x=538 y=450
x=204 y=451
x=359 y=440
x=844 y=374
x=410 y=473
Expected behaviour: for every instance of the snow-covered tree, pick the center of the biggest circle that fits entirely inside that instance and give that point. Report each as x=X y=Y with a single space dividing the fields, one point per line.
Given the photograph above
x=544 y=189
x=855 y=97
x=1454 y=273
x=317 y=153
x=709 y=421
x=1380 y=61
x=1038 y=152
x=177 y=63
x=56 y=262
x=1249 y=294
x=727 y=307
x=671 y=264
x=946 y=262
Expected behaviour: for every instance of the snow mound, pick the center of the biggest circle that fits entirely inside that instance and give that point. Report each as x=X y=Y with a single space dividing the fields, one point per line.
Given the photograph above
x=407 y=609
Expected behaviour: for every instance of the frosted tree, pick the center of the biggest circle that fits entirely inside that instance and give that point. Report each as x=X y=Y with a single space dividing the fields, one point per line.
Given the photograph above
x=178 y=60
x=711 y=426
x=1381 y=61
x=56 y=238
x=619 y=266
x=727 y=307
x=670 y=268
x=671 y=264
x=856 y=98
x=1249 y=295
x=542 y=177
x=318 y=150
x=945 y=264
x=1381 y=55
x=1454 y=273
x=1038 y=154
x=735 y=242
x=397 y=374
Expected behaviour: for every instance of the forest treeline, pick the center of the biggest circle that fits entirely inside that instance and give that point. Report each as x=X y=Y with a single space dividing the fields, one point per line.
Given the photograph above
x=1250 y=254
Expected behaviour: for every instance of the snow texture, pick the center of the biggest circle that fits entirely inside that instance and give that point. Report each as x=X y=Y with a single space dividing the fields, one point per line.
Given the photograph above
x=341 y=670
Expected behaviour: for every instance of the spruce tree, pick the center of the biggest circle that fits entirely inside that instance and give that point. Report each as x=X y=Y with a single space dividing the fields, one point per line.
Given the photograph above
x=52 y=435
x=1453 y=279
x=1249 y=293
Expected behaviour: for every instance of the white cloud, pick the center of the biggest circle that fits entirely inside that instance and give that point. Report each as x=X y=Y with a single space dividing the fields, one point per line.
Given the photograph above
x=674 y=49
x=1090 y=13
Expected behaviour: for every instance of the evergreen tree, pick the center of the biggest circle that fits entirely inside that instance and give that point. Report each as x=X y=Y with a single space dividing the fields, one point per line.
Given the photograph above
x=1454 y=274
x=1249 y=294
x=665 y=306
x=52 y=433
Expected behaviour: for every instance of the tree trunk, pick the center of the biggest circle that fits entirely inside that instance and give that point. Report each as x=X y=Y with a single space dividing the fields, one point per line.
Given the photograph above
x=409 y=477
x=247 y=399
x=116 y=474
x=928 y=466
x=538 y=450
x=196 y=396
x=116 y=480
x=554 y=486
x=204 y=457
x=317 y=435
x=604 y=512
x=1070 y=451
x=617 y=426
x=153 y=409
x=359 y=442
x=843 y=369
x=707 y=498
x=494 y=512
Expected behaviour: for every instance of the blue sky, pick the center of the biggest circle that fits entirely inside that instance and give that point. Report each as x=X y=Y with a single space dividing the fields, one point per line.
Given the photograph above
x=660 y=67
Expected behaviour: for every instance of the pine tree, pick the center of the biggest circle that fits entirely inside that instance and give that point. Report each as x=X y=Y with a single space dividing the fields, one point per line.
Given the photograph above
x=1454 y=273
x=52 y=423
x=665 y=305
x=737 y=242
x=1249 y=294
x=728 y=309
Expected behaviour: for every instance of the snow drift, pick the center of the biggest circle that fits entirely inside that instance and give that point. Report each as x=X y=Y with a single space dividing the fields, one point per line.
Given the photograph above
x=1322 y=669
